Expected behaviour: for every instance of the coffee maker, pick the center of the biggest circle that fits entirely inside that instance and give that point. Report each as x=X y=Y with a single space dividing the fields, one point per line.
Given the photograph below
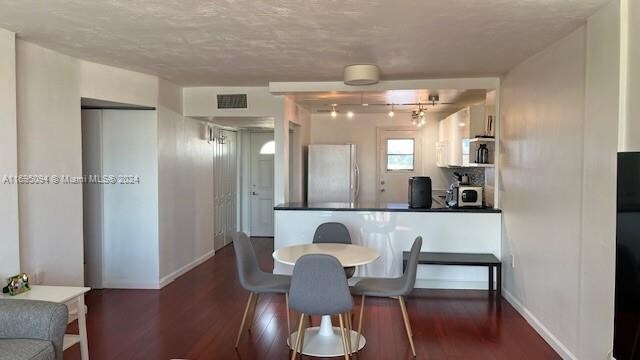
x=420 y=196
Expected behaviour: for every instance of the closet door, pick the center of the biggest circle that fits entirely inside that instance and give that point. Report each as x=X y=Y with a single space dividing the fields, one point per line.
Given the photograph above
x=218 y=191
x=224 y=186
x=230 y=181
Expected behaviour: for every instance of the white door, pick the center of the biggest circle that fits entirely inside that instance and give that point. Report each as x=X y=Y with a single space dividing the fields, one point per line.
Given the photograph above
x=261 y=187
x=224 y=186
x=230 y=181
x=398 y=160
x=218 y=192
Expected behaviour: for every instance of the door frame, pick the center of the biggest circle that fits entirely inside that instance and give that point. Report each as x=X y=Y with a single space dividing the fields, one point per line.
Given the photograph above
x=417 y=147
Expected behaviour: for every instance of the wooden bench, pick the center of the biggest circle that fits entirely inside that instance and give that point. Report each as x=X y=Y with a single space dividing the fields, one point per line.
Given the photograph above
x=463 y=259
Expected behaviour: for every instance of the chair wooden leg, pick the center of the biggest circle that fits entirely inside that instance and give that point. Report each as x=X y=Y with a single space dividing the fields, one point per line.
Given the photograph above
x=252 y=314
x=295 y=347
x=350 y=327
x=360 y=323
x=286 y=300
x=305 y=324
x=244 y=318
x=344 y=338
x=407 y=325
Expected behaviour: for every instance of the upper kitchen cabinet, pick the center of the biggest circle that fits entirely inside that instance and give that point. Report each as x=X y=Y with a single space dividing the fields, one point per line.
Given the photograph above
x=458 y=138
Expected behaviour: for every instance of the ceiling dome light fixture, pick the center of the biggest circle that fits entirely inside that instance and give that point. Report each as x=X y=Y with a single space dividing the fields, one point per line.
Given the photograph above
x=350 y=114
x=361 y=74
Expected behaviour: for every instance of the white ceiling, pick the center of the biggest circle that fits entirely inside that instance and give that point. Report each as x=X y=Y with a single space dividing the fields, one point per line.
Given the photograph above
x=252 y=42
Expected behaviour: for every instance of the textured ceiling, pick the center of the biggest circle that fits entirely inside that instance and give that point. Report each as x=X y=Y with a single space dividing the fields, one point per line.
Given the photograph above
x=252 y=42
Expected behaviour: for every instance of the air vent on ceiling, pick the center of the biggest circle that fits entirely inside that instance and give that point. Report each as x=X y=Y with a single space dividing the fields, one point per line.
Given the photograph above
x=232 y=101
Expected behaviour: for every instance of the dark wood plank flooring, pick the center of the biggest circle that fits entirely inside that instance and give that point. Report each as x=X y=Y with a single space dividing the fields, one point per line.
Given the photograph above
x=197 y=317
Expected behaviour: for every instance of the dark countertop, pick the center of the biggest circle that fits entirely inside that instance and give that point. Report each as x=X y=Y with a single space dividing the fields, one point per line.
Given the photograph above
x=371 y=206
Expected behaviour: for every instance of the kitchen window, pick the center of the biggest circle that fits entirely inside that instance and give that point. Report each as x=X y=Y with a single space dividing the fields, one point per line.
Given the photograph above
x=400 y=154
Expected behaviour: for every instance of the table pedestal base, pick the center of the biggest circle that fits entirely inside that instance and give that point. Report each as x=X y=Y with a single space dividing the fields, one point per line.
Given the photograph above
x=325 y=340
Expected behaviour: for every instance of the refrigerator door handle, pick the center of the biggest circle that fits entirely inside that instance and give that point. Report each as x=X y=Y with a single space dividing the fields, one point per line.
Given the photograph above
x=357 y=182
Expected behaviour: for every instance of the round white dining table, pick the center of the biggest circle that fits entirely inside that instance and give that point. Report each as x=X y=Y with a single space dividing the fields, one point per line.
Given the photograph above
x=325 y=340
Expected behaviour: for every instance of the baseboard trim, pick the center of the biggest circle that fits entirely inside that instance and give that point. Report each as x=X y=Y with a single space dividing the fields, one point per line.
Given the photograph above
x=537 y=325
x=130 y=285
x=168 y=279
x=451 y=284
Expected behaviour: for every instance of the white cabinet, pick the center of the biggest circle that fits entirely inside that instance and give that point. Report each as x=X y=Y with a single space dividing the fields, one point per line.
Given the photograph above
x=442 y=154
x=455 y=131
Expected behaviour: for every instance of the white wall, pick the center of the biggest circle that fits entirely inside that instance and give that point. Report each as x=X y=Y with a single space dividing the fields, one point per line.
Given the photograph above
x=9 y=246
x=361 y=130
x=542 y=137
x=130 y=215
x=559 y=135
x=597 y=249
x=185 y=169
x=630 y=128
x=50 y=86
x=109 y=83
x=49 y=143
x=92 y=195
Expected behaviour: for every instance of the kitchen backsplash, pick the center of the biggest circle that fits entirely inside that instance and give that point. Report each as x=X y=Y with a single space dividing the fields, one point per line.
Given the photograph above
x=476 y=175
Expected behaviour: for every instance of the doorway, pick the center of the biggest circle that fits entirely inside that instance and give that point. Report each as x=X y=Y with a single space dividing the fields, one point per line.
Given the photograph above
x=262 y=150
x=398 y=159
x=119 y=196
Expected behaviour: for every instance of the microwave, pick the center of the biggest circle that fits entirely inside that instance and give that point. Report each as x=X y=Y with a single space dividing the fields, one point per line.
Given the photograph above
x=470 y=196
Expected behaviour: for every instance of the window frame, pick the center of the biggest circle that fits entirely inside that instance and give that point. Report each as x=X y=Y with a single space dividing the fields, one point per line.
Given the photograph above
x=413 y=155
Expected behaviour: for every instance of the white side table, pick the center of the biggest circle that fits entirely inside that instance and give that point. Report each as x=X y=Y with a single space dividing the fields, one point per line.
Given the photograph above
x=63 y=295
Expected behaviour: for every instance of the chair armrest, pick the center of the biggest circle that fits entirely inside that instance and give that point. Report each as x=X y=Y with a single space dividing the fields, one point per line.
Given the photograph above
x=31 y=319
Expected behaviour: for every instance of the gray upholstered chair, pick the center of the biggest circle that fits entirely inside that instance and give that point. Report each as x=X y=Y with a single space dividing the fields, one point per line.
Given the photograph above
x=31 y=330
x=319 y=287
x=256 y=281
x=336 y=233
x=385 y=287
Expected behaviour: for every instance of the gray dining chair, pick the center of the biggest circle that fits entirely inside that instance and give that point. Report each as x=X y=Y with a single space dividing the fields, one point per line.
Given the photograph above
x=334 y=233
x=319 y=287
x=394 y=287
x=256 y=281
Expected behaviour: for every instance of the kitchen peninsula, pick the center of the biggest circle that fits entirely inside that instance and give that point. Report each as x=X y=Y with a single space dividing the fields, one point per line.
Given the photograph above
x=391 y=229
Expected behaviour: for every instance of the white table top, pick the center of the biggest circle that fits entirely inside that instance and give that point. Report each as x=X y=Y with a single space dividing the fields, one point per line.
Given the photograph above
x=58 y=294
x=348 y=254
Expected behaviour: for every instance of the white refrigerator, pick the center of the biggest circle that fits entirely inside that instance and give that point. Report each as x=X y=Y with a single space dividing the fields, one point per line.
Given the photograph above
x=333 y=174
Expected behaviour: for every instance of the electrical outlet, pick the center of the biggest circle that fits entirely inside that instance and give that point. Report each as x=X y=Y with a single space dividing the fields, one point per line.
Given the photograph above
x=513 y=261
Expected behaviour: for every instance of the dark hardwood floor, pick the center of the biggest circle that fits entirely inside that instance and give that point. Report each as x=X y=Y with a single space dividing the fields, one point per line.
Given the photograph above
x=197 y=317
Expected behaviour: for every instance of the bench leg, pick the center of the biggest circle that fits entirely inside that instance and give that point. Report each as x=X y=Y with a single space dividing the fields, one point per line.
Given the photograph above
x=490 y=288
x=499 y=284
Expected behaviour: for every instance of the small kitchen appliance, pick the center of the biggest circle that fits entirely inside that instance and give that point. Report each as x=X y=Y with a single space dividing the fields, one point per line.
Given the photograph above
x=469 y=196
x=420 y=196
